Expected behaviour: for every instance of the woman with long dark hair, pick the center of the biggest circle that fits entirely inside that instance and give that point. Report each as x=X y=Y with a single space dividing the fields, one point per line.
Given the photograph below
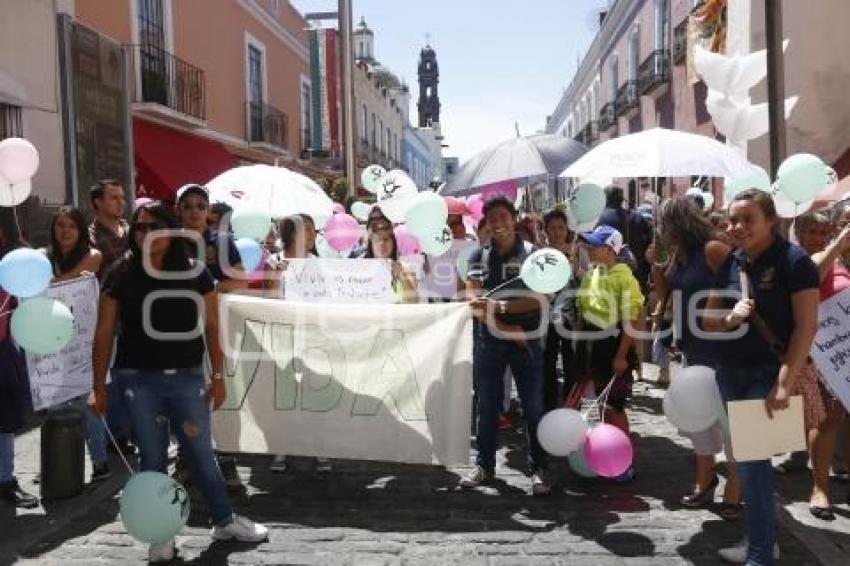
x=70 y=252
x=699 y=250
x=382 y=244
x=778 y=286
x=15 y=401
x=164 y=301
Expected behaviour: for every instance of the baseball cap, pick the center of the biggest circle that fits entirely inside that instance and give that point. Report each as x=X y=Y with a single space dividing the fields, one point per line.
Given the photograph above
x=193 y=188
x=604 y=236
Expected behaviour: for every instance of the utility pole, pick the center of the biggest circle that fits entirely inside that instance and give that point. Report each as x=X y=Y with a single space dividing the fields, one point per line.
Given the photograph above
x=775 y=83
x=345 y=27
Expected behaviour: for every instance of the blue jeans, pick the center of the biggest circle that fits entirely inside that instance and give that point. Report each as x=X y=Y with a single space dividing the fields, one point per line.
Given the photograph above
x=157 y=399
x=117 y=412
x=95 y=431
x=7 y=457
x=740 y=384
x=491 y=357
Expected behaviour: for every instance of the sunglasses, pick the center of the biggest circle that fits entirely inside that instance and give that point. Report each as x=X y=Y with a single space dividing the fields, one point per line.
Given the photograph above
x=199 y=206
x=145 y=227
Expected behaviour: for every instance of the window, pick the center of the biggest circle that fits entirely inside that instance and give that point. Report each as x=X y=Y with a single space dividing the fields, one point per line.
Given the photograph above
x=152 y=52
x=661 y=10
x=11 y=121
x=381 y=133
x=634 y=52
x=374 y=125
x=365 y=127
x=255 y=75
x=306 y=114
x=613 y=72
x=151 y=23
x=389 y=143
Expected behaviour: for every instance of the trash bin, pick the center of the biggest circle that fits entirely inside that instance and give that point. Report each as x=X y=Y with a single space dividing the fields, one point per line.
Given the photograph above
x=62 y=454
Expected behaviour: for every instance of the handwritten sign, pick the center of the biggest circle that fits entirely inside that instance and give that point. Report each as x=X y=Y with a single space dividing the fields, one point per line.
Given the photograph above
x=831 y=347
x=56 y=378
x=340 y=281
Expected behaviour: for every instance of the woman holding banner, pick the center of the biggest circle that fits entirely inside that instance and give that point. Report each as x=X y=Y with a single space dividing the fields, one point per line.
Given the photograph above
x=776 y=285
x=72 y=256
x=164 y=300
x=15 y=400
x=382 y=244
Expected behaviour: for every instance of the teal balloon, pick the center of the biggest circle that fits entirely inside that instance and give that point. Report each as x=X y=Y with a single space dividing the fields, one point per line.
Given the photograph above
x=154 y=507
x=801 y=177
x=757 y=178
x=251 y=223
x=579 y=464
x=25 y=272
x=371 y=178
x=436 y=243
x=250 y=252
x=42 y=325
x=587 y=202
x=427 y=214
x=546 y=271
x=462 y=262
x=360 y=211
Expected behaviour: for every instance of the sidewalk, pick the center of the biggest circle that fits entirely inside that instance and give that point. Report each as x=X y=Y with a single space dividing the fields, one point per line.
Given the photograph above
x=382 y=513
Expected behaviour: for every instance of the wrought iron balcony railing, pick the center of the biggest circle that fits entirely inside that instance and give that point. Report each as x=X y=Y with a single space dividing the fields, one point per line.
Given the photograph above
x=266 y=124
x=680 y=42
x=627 y=98
x=607 y=116
x=654 y=71
x=161 y=78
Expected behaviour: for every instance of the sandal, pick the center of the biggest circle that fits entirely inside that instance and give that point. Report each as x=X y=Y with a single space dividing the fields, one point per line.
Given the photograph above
x=730 y=511
x=702 y=498
x=822 y=513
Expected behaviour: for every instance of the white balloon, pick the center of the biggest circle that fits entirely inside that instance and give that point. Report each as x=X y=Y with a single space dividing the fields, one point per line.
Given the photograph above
x=371 y=177
x=18 y=160
x=324 y=249
x=436 y=243
x=788 y=209
x=396 y=194
x=13 y=195
x=708 y=200
x=561 y=432
x=694 y=402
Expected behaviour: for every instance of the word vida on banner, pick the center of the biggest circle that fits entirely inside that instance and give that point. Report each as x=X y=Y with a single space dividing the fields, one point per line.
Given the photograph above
x=376 y=382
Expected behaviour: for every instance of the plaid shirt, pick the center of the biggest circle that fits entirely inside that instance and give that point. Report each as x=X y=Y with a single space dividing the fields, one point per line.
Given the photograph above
x=110 y=244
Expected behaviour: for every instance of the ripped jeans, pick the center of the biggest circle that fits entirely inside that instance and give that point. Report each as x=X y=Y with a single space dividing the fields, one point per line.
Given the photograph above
x=160 y=401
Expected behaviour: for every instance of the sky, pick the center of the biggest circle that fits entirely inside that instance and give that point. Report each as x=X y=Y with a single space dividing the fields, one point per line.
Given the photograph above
x=501 y=61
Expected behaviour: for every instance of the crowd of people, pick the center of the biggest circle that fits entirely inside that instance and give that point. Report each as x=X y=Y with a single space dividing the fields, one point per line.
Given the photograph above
x=752 y=293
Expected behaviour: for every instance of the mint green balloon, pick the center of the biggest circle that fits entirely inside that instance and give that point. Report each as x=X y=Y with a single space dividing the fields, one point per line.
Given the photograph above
x=801 y=177
x=251 y=223
x=436 y=243
x=757 y=178
x=546 y=271
x=587 y=202
x=360 y=211
x=427 y=214
x=371 y=178
x=42 y=325
x=154 y=507
x=579 y=464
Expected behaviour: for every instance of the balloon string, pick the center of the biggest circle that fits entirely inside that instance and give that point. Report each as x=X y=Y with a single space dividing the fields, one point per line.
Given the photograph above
x=600 y=401
x=115 y=444
x=502 y=286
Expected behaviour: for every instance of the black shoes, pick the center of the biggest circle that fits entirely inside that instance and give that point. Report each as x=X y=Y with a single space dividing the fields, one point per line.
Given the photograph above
x=100 y=472
x=12 y=493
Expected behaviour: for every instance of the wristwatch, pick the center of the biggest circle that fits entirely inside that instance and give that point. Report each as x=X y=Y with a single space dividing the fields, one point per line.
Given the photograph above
x=503 y=307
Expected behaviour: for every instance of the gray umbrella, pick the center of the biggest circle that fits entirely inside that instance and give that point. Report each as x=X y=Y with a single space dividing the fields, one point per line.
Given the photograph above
x=520 y=159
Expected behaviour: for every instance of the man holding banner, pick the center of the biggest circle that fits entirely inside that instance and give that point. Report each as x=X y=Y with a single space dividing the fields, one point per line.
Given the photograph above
x=507 y=334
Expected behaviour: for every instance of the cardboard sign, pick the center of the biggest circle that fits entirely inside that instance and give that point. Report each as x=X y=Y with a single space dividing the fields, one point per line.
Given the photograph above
x=831 y=346
x=755 y=436
x=338 y=281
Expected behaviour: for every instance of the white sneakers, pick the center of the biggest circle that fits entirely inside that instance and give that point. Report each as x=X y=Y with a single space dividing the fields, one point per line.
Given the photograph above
x=539 y=485
x=241 y=529
x=479 y=476
x=161 y=552
x=738 y=554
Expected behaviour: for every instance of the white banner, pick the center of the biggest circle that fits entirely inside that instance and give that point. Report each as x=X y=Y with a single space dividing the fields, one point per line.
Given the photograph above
x=831 y=347
x=56 y=378
x=339 y=281
x=389 y=383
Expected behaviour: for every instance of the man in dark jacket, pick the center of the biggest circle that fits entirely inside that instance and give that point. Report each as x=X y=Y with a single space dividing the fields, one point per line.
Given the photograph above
x=636 y=230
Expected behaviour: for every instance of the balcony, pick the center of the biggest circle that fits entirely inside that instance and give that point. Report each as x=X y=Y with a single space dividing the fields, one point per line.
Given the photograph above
x=165 y=87
x=680 y=42
x=266 y=126
x=588 y=135
x=654 y=72
x=607 y=116
x=627 y=99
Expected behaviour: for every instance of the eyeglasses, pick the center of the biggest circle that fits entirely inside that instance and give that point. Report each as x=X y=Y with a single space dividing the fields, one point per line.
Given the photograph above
x=145 y=227
x=199 y=206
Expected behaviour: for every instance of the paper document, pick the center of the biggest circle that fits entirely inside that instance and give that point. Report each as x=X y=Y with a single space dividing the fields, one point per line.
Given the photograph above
x=755 y=436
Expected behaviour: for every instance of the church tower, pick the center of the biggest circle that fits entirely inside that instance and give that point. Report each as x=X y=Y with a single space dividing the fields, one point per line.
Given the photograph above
x=429 y=78
x=364 y=43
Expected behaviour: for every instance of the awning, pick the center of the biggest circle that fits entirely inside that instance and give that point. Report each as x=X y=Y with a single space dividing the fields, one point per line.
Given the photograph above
x=166 y=159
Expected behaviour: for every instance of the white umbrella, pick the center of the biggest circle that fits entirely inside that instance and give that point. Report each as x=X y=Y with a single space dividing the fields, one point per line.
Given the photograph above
x=659 y=152
x=277 y=190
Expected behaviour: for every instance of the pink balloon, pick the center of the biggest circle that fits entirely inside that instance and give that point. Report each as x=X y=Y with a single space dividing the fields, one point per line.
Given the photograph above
x=407 y=242
x=338 y=208
x=475 y=206
x=342 y=232
x=502 y=188
x=608 y=450
x=456 y=206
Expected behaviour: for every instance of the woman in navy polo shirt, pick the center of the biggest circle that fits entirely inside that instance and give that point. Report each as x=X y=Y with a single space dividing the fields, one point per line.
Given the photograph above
x=779 y=307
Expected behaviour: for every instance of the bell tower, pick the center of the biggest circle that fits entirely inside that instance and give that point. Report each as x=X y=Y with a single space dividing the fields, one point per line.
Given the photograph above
x=429 y=79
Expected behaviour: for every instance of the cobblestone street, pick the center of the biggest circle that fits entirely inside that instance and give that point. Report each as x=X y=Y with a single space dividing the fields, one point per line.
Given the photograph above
x=380 y=513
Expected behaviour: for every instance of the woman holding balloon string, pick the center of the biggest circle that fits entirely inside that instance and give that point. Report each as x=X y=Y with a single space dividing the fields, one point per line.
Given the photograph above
x=778 y=288
x=15 y=400
x=698 y=252
x=164 y=301
x=71 y=256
